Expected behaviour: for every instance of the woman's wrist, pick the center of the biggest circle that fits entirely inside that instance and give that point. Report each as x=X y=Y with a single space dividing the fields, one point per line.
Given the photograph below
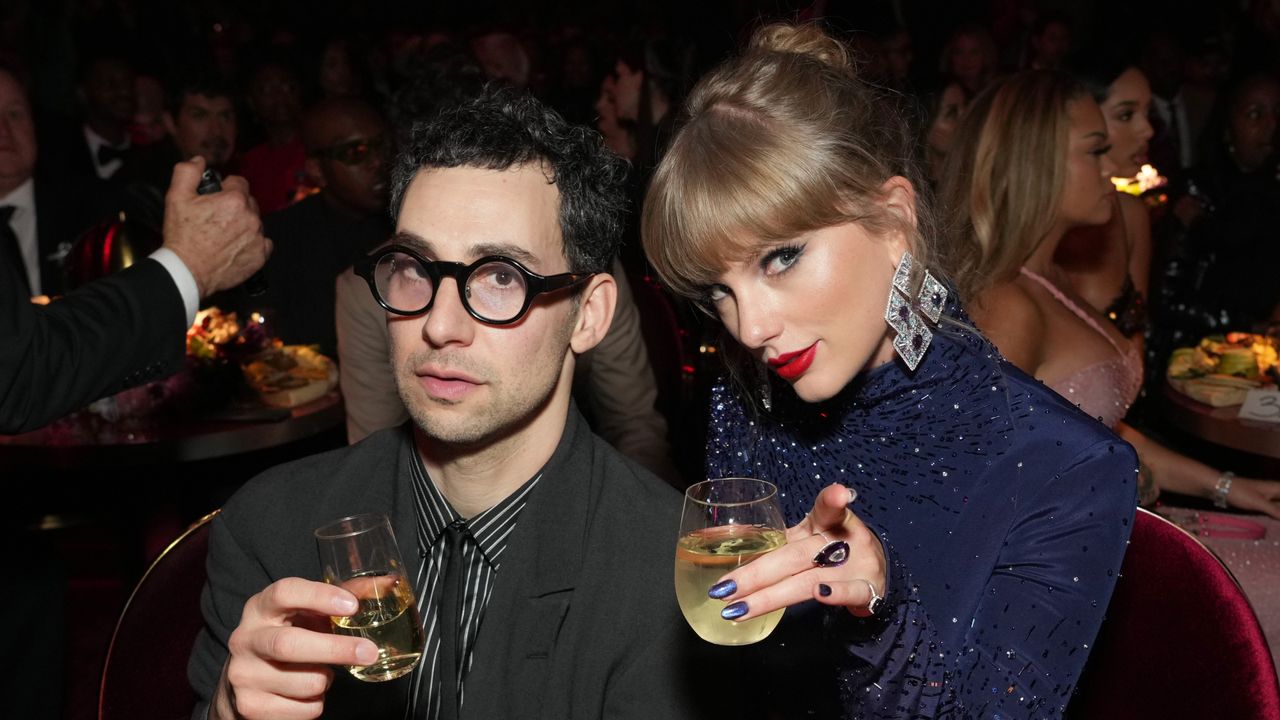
x=1222 y=488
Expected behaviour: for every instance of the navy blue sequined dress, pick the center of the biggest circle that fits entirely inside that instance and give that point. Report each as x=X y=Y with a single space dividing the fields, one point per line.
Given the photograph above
x=1004 y=513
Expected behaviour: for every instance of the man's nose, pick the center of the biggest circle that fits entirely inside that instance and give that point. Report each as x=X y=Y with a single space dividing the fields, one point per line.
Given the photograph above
x=448 y=322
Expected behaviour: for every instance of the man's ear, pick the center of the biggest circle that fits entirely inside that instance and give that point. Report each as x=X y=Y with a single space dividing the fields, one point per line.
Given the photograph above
x=898 y=198
x=596 y=303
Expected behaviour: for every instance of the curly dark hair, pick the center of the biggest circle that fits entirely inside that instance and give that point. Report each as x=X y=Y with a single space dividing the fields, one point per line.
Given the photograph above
x=501 y=128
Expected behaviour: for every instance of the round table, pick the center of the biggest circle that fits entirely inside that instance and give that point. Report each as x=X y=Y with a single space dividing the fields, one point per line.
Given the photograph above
x=1221 y=425
x=238 y=429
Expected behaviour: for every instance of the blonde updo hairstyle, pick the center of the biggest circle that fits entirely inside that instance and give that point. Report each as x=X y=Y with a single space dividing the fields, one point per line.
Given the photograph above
x=781 y=140
x=1002 y=182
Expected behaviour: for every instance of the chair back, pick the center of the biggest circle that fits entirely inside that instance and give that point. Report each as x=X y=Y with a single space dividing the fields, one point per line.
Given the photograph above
x=1179 y=639
x=145 y=675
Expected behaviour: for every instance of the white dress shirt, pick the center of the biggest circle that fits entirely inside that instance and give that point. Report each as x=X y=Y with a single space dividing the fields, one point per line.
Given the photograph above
x=96 y=141
x=23 y=222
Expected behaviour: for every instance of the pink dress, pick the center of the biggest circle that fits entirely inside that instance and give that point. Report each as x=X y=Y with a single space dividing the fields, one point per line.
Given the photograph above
x=1106 y=388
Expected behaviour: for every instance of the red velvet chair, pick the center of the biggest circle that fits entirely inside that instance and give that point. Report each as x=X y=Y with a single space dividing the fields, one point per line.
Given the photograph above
x=1180 y=639
x=146 y=668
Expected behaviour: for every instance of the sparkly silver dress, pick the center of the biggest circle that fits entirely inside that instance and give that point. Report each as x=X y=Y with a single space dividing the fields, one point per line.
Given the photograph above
x=1004 y=513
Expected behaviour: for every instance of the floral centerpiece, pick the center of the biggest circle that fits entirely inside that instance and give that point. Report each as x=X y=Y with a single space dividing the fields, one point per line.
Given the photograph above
x=216 y=344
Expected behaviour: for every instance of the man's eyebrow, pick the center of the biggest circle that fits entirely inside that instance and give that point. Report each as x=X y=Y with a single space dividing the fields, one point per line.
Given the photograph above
x=511 y=250
x=413 y=240
x=515 y=252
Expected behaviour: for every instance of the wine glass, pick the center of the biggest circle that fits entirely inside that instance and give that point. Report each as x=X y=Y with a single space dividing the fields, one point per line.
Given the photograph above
x=726 y=523
x=359 y=554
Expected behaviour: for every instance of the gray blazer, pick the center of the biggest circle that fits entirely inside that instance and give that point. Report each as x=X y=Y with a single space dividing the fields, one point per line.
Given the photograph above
x=582 y=623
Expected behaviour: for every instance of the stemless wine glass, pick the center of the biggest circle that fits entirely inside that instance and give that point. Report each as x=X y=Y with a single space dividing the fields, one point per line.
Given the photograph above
x=359 y=554
x=727 y=523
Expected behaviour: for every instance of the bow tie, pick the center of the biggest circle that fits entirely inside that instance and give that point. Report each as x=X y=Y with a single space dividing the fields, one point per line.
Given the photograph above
x=107 y=153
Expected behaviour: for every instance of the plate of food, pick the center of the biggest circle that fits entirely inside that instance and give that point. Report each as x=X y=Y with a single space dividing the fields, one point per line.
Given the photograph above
x=1222 y=369
x=287 y=376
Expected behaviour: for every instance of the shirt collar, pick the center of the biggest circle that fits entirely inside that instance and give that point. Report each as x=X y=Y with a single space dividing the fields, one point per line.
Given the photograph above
x=23 y=197
x=489 y=528
x=96 y=141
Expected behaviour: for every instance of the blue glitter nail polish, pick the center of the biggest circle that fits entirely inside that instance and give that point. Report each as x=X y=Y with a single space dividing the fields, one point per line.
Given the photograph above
x=824 y=590
x=734 y=611
x=722 y=589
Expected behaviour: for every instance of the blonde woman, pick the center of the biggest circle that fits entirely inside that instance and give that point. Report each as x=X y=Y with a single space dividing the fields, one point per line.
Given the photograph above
x=1109 y=265
x=1031 y=163
x=940 y=546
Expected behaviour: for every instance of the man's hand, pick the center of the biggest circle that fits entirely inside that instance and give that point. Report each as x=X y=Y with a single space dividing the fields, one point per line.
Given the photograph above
x=280 y=655
x=218 y=236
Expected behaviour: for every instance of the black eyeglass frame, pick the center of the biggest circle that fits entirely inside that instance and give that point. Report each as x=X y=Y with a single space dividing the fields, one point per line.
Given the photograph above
x=437 y=270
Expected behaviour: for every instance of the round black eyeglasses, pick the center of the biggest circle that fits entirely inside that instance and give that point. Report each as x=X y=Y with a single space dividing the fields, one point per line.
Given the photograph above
x=495 y=290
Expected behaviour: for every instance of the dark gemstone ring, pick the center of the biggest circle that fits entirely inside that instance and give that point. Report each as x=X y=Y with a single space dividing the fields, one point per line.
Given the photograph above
x=834 y=554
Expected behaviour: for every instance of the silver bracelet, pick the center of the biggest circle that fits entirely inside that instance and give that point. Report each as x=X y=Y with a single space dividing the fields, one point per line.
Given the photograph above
x=1222 y=489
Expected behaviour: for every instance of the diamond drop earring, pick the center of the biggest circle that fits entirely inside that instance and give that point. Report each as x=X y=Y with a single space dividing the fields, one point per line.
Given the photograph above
x=913 y=333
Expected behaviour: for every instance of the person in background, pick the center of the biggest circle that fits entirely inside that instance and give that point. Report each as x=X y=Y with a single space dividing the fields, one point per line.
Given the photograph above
x=44 y=210
x=348 y=145
x=970 y=58
x=1031 y=163
x=1173 y=144
x=1215 y=270
x=943 y=110
x=147 y=127
x=1049 y=44
x=274 y=167
x=497 y=478
x=338 y=75
x=1109 y=265
x=618 y=136
x=941 y=542
x=200 y=119
x=100 y=146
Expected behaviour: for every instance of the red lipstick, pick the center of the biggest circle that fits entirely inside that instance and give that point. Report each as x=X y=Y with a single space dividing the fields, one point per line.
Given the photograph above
x=792 y=365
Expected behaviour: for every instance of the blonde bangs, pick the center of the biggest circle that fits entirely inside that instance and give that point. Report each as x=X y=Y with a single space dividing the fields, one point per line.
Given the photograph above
x=728 y=182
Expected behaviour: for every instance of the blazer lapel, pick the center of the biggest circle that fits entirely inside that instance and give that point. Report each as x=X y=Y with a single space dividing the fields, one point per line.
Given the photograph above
x=534 y=589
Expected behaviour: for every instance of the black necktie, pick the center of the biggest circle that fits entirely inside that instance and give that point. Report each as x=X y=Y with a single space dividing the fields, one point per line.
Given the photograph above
x=108 y=153
x=450 y=614
x=10 y=252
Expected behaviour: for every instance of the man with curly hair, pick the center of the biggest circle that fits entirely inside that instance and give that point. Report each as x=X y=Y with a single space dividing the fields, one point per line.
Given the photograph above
x=507 y=223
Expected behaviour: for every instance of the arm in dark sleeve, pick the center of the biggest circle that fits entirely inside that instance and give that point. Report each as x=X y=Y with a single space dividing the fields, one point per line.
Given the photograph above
x=112 y=334
x=1039 y=613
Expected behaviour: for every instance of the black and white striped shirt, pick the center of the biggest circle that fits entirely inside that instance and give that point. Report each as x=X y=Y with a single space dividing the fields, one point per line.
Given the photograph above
x=484 y=539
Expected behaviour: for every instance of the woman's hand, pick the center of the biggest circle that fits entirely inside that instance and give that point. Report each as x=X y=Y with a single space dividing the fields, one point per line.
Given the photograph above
x=1256 y=495
x=789 y=575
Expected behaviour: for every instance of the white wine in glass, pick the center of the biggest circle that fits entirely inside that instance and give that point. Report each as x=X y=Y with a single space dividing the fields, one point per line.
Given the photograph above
x=359 y=554
x=726 y=523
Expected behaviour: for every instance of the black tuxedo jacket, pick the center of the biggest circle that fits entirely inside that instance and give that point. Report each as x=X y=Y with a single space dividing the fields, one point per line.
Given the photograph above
x=582 y=623
x=66 y=208
x=120 y=331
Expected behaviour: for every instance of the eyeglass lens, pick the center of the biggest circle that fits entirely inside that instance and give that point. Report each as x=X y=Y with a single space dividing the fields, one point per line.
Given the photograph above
x=495 y=291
